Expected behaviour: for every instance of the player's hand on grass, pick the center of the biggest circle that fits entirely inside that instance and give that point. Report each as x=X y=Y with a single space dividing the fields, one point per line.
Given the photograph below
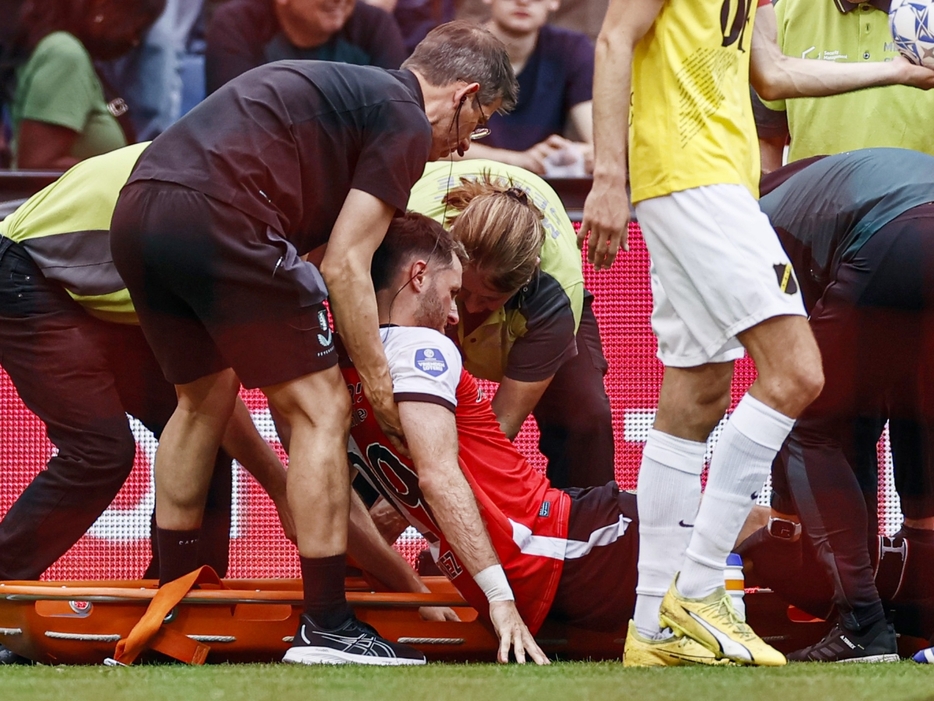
x=513 y=634
x=913 y=75
x=605 y=226
x=438 y=613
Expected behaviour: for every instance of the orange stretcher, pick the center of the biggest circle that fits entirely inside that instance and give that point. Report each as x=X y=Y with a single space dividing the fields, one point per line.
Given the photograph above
x=253 y=620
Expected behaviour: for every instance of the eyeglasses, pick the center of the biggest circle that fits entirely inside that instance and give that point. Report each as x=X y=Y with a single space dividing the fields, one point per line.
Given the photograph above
x=482 y=129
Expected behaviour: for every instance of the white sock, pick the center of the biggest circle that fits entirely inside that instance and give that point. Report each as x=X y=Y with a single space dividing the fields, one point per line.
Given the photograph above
x=668 y=491
x=740 y=464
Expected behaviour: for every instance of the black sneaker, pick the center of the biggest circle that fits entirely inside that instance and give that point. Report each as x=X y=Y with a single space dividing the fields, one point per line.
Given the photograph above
x=874 y=644
x=353 y=642
x=7 y=656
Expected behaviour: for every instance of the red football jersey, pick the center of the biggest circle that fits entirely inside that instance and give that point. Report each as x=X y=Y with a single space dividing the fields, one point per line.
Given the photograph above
x=527 y=519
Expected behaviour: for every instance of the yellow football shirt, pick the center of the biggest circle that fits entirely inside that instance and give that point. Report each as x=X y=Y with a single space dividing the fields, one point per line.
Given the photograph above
x=65 y=227
x=691 y=119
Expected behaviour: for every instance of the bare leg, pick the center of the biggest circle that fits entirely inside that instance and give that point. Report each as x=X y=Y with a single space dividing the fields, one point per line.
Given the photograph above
x=316 y=407
x=184 y=466
x=790 y=378
x=692 y=400
x=187 y=449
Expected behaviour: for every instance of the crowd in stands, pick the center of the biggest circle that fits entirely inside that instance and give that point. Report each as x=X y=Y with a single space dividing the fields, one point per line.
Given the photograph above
x=83 y=77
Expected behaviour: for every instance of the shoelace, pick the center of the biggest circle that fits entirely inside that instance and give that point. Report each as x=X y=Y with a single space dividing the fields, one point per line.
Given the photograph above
x=724 y=608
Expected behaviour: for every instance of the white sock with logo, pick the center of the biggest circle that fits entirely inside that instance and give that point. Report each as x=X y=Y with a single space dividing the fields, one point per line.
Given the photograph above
x=739 y=467
x=668 y=493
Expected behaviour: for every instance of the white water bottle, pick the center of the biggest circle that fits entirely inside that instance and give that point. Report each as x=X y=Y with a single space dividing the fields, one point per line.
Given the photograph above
x=734 y=583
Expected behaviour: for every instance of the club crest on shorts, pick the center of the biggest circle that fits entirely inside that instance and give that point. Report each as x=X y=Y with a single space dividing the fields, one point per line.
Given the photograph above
x=324 y=338
x=430 y=361
x=786 y=278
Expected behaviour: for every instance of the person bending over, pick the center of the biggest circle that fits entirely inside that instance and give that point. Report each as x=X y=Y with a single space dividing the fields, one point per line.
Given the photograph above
x=208 y=234
x=524 y=317
x=859 y=228
x=71 y=344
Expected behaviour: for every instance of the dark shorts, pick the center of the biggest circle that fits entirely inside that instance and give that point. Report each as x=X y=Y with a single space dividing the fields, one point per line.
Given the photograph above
x=598 y=591
x=215 y=288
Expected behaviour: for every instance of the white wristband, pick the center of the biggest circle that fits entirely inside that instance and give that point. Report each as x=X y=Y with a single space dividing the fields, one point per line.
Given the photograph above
x=494 y=584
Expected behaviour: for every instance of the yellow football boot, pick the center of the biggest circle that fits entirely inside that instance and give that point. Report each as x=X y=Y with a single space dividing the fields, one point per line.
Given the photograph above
x=670 y=652
x=714 y=623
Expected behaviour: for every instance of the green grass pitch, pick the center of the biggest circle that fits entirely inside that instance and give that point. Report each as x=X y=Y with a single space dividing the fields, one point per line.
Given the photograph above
x=569 y=681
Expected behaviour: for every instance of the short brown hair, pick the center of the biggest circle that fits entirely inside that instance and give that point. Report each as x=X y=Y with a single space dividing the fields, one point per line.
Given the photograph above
x=465 y=51
x=411 y=236
x=500 y=227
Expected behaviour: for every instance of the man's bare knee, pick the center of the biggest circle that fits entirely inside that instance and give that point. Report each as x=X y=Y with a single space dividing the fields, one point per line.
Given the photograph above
x=320 y=400
x=212 y=395
x=789 y=364
x=693 y=400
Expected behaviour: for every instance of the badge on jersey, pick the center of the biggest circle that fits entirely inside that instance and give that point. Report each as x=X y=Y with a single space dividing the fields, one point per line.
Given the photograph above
x=430 y=361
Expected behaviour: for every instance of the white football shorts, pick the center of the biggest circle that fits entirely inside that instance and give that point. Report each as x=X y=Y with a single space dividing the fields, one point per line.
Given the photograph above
x=717 y=269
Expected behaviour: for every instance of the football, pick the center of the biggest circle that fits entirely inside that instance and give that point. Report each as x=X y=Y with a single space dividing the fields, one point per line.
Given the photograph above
x=912 y=24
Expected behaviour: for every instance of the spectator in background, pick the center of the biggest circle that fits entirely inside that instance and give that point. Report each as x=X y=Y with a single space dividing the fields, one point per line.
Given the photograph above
x=842 y=32
x=9 y=9
x=580 y=15
x=416 y=17
x=243 y=34
x=149 y=77
x=63 y=112
x=555 y=72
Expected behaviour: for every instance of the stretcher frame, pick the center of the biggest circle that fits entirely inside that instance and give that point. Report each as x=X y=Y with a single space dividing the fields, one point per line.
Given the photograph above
x=253 y=620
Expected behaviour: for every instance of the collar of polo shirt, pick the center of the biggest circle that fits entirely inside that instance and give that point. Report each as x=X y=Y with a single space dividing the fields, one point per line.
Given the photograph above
x=846 y=6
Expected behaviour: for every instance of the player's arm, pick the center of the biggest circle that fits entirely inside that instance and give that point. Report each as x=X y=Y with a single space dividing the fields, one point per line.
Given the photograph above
x=776 y=76
x=244 y=444
x=388 y=520
x=432 y=434
x=606 y=211
x=515 y=400
x=376 y=556
x=360 y=228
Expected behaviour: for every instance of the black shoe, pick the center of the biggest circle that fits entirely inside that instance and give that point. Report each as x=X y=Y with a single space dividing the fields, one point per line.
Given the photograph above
x=7 y=656
x=876 y=643
x=352 y=642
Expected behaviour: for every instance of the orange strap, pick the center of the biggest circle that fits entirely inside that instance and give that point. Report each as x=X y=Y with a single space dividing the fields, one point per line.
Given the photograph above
x=148 y=633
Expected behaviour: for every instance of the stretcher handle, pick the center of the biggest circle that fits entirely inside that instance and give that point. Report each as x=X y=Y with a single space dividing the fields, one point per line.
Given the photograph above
x=148 y=633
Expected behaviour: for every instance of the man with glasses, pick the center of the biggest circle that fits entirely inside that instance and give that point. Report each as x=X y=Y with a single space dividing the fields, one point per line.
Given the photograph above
x=208 y=234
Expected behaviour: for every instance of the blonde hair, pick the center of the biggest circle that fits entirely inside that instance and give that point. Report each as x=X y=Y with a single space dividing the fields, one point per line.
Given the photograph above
x=499 y=226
